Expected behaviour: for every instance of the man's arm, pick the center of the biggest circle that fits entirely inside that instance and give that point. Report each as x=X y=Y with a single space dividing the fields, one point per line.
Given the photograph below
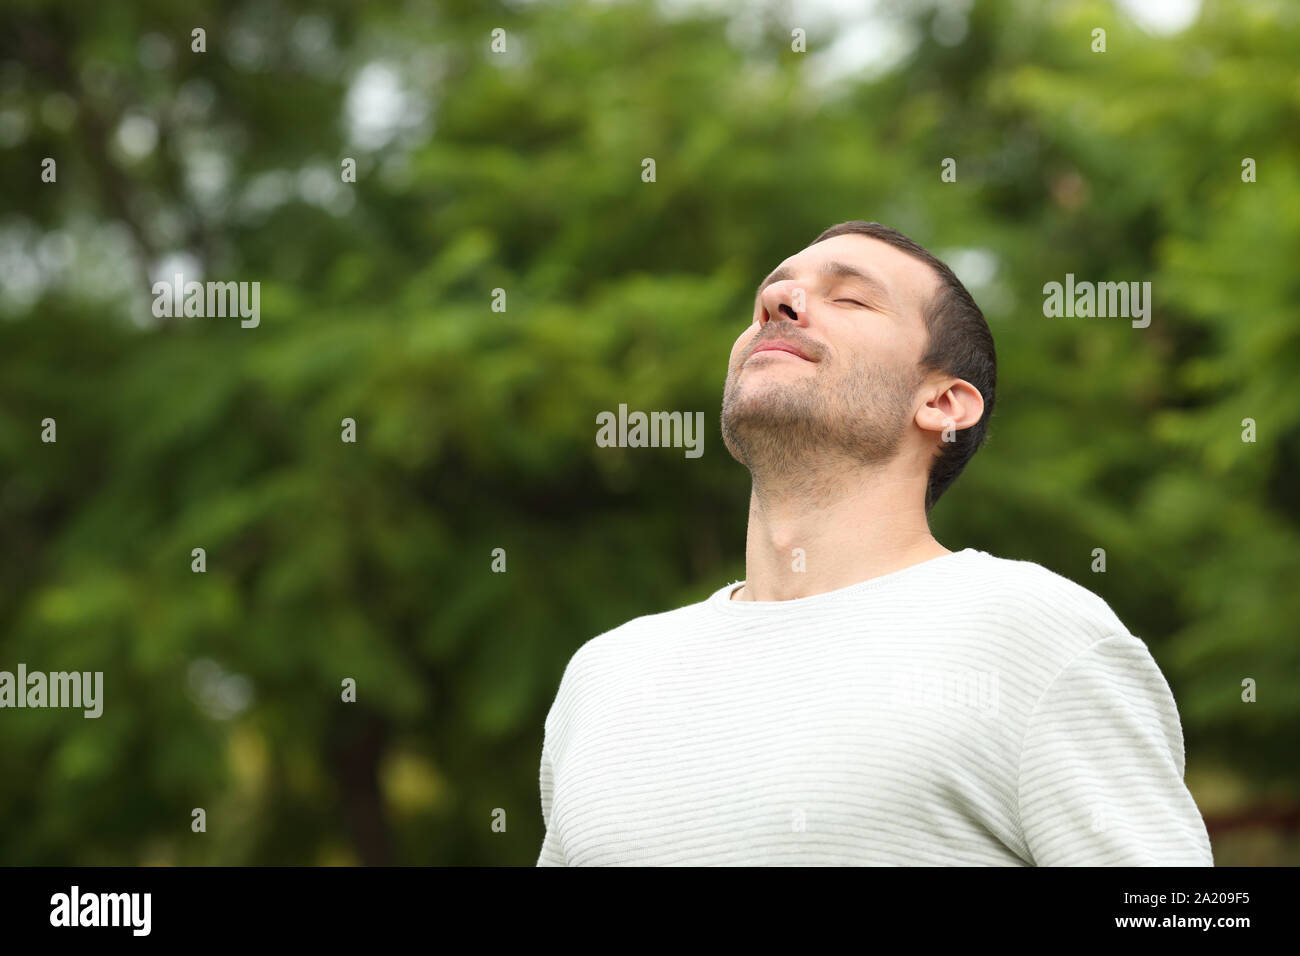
x=551 y=854
x=1101 y=767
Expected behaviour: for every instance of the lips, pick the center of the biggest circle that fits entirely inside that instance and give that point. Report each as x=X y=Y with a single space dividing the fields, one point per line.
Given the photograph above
x=777 y=346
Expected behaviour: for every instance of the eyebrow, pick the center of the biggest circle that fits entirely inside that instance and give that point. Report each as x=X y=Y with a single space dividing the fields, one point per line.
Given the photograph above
x=831 y=270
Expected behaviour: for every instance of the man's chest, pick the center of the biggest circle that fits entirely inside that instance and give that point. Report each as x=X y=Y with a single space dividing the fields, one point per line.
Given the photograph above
x=814 y=757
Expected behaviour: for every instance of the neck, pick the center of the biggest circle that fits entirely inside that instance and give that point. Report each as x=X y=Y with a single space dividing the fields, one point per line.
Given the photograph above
x=850 y=525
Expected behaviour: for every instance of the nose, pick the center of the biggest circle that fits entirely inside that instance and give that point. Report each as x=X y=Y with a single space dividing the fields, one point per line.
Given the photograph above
x=786 y=300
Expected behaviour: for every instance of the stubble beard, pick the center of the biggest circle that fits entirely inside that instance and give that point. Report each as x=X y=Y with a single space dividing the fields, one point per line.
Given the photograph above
x=794 y=435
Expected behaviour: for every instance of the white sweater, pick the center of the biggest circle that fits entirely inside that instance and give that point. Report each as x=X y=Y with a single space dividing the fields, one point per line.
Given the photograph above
x=968 y=710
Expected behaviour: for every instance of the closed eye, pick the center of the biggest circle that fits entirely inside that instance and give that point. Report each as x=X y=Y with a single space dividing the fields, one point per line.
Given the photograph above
x=862 y=305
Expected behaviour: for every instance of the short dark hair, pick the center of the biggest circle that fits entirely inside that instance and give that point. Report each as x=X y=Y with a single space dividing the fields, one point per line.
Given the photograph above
x=960 y=344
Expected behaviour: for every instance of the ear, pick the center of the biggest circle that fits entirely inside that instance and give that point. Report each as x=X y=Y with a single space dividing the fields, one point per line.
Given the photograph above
x=959 y=405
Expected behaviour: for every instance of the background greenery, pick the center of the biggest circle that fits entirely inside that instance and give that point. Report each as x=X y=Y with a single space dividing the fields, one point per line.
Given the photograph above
x=476 y=428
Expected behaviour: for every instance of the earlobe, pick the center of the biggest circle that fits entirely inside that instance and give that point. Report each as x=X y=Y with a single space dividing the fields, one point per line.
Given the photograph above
x=930 y=417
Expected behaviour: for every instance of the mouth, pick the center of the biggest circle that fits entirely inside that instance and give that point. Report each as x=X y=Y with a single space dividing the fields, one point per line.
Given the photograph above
x=779 y=348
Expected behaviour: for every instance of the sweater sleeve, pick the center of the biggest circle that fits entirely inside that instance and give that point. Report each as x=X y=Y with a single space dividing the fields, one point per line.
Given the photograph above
x=551 y=854
x=1101 y=766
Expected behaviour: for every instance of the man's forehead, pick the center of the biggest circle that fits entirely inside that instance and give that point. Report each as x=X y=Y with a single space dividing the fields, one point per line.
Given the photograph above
x=906 y=277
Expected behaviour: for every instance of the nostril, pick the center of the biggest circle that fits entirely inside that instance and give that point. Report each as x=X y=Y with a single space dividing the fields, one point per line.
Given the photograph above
x=789 y=311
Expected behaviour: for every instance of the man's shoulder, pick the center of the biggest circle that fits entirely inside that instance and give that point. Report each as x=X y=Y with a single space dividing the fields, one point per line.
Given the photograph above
x=643 y=628
x=1017 y=591
x=602 y=657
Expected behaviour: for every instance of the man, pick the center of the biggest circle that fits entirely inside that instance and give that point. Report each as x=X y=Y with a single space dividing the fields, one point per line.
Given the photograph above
x=866 y=696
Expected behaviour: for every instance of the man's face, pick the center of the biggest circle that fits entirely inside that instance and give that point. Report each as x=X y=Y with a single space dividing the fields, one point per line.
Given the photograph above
x=852 y=306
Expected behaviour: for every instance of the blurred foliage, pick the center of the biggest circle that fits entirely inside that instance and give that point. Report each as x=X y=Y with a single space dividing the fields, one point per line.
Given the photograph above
x=522 y=171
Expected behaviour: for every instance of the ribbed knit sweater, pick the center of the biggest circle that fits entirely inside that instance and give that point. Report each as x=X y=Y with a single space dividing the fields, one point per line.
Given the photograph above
x=965 y=711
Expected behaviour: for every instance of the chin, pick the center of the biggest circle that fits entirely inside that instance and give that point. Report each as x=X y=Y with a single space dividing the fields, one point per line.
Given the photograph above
x=765 y=409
